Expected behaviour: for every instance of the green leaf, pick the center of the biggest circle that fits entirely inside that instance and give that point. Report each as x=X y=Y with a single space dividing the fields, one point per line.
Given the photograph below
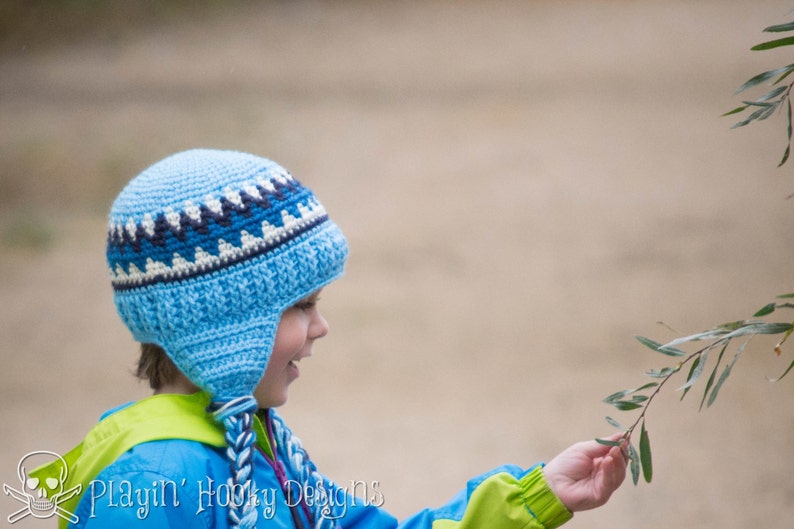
x=713 y=376
x=786 y=296
x=789 y=368
x=788 y=147
x=645 y=454
x=769 y=308
x=617 y=396
x=705 y=335
x=621 y=394
x=772 y=94
x=759 y=328
x=766 y=100
x=730 y=330
x=752 y=117
x=786 y=41
x=614 y=423
x=695 y=371
x=721 y=381
x=686 y=389
x=789 y=69
x=607 y=442
x=662 y=373
x=760 y=103
x=625 y=405
x=742 y=347
x=659 y=348
x=761 y=77
x=768 y=112
x=734 y=111
x=634 y=458
x=789 y=26
x=786 y=154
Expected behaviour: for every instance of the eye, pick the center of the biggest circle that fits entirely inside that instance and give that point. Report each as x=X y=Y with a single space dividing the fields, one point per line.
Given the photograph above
x=33 y=483
x=52 y=483
x=306 y=304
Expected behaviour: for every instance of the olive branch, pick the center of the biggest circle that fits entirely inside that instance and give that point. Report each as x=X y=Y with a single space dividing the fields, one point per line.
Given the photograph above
x=719 y=338
x=767 y=104
x=722 y=336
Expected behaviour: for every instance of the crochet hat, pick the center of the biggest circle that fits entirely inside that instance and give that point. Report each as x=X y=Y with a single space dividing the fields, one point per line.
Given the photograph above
x=206 y=249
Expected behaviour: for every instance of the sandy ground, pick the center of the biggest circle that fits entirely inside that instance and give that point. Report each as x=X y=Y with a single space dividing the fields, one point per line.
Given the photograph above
x=525 y=187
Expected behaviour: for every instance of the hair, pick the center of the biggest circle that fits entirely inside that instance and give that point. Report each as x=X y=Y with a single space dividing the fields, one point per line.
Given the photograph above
x=155 y=366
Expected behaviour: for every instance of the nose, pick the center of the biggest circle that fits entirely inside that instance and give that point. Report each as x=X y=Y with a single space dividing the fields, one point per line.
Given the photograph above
x=318 y=326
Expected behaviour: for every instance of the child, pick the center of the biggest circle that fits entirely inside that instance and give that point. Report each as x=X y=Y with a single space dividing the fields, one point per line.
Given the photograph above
x=217 y=260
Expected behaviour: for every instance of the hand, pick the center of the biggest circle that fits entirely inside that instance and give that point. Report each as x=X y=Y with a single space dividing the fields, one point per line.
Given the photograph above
x=586 y=474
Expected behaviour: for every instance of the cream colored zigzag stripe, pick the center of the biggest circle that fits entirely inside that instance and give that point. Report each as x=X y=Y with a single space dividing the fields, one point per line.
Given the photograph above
x=202 y=260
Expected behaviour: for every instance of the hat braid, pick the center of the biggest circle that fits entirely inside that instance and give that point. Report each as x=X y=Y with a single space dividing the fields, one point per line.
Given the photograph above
x=323 y=509
x=237 y=417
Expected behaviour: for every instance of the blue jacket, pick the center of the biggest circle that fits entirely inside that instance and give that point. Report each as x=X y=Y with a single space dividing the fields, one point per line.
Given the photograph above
x=160 y=463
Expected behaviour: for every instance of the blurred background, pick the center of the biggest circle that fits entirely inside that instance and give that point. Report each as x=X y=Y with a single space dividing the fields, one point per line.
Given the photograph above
x=525 y=186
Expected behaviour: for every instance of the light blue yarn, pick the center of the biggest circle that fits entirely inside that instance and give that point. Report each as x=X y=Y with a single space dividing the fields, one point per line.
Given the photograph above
x=237 y=416
x=214 y=313
x=324 y=512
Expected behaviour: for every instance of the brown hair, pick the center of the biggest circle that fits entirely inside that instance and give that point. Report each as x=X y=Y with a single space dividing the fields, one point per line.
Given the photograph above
x=155 y=366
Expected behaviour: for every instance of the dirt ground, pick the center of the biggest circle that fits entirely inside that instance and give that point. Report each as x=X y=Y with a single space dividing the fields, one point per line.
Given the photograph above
x=525 y=186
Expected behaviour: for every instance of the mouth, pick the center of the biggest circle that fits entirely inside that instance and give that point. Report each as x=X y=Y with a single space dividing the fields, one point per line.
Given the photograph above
x=293 y=367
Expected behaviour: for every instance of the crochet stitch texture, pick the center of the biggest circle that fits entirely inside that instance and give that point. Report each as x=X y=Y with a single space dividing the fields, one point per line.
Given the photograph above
x=206 y=249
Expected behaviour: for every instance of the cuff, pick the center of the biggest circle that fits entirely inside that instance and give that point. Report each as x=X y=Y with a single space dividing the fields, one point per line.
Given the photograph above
x=541 y=501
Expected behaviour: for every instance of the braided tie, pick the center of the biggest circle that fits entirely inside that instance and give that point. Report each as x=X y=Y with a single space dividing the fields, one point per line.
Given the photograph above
x=237 y=416
x=322 y=513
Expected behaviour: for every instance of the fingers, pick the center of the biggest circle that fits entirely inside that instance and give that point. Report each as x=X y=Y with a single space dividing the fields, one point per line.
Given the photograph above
x=614 y=467
x=585 y=475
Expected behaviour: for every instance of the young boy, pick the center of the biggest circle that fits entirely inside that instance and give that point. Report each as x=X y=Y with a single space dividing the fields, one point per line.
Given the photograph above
x=217 y=260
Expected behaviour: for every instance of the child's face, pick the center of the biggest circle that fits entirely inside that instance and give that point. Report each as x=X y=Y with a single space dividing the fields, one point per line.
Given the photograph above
x=299 y=327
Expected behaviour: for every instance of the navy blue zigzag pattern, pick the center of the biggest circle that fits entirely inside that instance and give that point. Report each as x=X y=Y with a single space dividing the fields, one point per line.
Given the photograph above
x=162 y=228
x=124 y=250
x=160 y=278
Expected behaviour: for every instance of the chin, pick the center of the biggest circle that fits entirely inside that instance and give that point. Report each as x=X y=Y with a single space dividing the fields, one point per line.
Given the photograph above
x=271 y=401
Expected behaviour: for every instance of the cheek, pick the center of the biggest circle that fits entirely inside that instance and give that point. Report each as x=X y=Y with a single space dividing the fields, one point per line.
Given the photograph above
x=283 y=352
x=290 y=336
x=284 y=348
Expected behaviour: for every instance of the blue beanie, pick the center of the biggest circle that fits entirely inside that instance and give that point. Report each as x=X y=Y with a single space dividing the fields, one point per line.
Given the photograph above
x=206 y=249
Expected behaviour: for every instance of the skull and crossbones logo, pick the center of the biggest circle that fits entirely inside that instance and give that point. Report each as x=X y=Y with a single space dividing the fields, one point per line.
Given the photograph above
x=42 y=497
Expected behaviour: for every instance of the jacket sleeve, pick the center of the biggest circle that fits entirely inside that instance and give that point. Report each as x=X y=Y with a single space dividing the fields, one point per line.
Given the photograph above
x=505 y=498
